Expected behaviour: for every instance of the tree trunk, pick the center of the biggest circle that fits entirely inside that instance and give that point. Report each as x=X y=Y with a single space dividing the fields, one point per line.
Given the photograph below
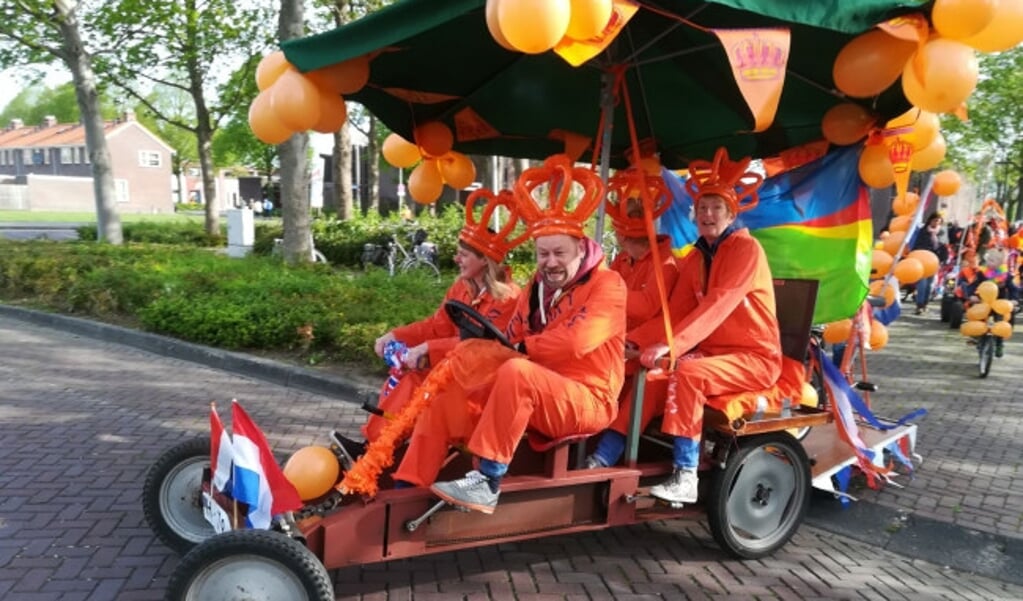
x=343 y=172
x=373 y=172
x=204 y=138
x=293 y=160
x=108 y=220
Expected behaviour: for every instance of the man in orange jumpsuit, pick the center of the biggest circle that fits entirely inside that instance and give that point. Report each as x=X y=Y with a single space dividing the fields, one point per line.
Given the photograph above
x=484 y=283
x=569 y=330
x=726 y=329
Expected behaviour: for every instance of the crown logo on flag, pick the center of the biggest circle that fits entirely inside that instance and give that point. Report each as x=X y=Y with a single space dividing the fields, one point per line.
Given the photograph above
x=625 y=202
x=477 y=234
x=757 y=59
x=725 y=178
x=558 y=181
x=900 y=152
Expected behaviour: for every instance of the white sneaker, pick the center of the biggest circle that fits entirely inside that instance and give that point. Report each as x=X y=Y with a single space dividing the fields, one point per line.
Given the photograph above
x=681 y=487
x=472 y=491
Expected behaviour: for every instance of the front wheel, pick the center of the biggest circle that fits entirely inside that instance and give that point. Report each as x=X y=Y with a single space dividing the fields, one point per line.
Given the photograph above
x=418 y=265
x=250 y=565
x=172 y=495
x=986 y=350
x=760 y=497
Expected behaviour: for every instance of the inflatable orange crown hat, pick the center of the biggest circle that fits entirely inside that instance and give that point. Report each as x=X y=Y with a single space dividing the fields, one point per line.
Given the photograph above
x=559 y=181
x=626 y=204
x=725 y=178
x=477 y=234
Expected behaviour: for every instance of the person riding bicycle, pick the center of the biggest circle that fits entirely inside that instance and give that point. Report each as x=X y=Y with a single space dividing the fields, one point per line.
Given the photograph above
x=725 y=331
x=484 y=283
x=998 y=267
x=566 y=372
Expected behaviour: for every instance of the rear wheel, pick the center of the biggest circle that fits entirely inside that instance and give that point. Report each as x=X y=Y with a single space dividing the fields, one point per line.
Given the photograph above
x=172 y=495
x=250 y=565
x=421 y=266
x=760 y=497
x=955 y=314
x=986 y=350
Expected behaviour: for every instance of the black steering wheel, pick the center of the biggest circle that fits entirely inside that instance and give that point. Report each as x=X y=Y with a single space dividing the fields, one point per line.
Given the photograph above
x=473 y=325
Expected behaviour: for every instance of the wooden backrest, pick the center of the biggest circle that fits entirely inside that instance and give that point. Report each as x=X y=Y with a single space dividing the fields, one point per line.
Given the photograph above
x=795 y=301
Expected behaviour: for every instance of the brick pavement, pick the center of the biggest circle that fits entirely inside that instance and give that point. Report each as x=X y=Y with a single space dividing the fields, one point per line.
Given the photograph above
x=83 y=418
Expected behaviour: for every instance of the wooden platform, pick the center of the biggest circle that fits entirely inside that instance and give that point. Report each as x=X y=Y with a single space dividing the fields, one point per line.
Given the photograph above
x=828 y=453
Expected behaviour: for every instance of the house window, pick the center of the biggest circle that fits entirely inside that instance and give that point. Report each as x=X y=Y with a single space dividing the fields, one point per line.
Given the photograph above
x=26 y=156
x=46 y=156
x=67 y=155
x=148 y=158
x=121 y=190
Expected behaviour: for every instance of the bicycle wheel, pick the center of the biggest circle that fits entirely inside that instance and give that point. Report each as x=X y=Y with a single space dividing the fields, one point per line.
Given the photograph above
x=986 y=350
x=419 y=265
x=318 y=257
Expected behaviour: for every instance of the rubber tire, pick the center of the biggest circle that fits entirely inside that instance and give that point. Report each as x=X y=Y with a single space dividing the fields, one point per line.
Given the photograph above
x=986 y=352
x=421 y=266
x=194 y=453
x=265 y=549
x=946 y=307
x=735 y=543
x=955 y=314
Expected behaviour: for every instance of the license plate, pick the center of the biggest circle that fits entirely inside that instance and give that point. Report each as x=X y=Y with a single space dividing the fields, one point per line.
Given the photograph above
x=215 y=514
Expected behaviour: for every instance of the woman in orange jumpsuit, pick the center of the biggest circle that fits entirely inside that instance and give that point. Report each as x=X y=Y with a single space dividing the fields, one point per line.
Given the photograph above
x=726 y=329
x=484 y=282
x=569 y=330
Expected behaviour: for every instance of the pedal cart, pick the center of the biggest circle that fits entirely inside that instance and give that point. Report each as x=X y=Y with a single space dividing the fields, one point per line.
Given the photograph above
x=672 y=73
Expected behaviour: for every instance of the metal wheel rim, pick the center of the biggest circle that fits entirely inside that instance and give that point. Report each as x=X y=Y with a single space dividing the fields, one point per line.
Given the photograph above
x=761 y=498
x=180 y=501
x=986 y=350
x=246 y=578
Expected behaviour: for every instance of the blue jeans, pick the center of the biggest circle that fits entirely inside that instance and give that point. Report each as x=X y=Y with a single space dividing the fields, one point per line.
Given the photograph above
x=923 y=291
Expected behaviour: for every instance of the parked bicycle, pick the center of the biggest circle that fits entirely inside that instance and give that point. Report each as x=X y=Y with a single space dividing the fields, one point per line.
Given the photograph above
x=397 y=259
x=314 y=255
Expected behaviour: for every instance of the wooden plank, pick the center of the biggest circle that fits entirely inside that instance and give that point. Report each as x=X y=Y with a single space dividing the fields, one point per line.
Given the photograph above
x=828 y=453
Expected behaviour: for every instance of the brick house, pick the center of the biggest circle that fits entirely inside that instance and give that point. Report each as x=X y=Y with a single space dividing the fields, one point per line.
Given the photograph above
x=46 y=167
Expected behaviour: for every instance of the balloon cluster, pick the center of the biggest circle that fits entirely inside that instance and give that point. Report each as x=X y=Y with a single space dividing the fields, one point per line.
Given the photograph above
x=536 y=26
x=938 y=72
x=290 y=101
x=977 y=315
x=438 y=164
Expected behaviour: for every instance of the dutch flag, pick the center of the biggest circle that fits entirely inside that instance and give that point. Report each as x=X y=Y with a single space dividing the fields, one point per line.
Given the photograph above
x=221 y=452
x=257 y=480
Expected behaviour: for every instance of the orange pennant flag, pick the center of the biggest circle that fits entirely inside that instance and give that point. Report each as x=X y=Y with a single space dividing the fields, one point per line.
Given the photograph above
x=912 y=28
x=575 y=144
x=962 y=113
x=577 y=52
x=758 y=58
x=900 y=152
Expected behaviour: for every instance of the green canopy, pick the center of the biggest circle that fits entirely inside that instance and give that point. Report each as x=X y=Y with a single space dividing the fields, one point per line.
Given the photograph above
x=436 y=60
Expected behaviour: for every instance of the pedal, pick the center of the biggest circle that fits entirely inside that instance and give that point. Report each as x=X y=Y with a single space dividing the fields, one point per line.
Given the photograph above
x=633 y=498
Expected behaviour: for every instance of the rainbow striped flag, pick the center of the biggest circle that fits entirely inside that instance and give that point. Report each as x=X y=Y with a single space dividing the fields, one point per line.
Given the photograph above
x=813 y=222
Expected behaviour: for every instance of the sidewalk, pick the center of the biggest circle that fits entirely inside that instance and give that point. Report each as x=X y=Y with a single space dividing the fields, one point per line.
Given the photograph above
x=963 y=508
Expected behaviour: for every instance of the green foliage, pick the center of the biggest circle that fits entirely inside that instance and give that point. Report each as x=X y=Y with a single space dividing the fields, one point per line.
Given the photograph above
x=255 y=304
x=191 y=233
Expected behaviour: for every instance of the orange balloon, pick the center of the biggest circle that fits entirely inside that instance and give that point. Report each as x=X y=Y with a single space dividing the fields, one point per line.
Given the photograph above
x=1003 y=32
x=588 y=18
x=887 y=290
x=347 y=77
x=909 y=271
x=1002 y=329
x=978 y=312
x=905 y=204
x=425 y=184
x=946 y=183
x=987 y=291
x=947 y=78
x=434 y=138
x=893 y=243
x=457 y=170
x=878 y=335
x=1002 y=306
x=930 y=156
x=880 y=263
x=333 y=113
x=264 y=122
x=494 y=26
x=924 y=126
x=957 y=19
x=837 y=331
x=295 y=100
x=973 y=328
x=313 y=471
x=928 y=259
x=270 y=67
x=534 y=26
x=900 y=223
x=870 y=63
x=876 y=167
x=399 y=152
x=846 y=123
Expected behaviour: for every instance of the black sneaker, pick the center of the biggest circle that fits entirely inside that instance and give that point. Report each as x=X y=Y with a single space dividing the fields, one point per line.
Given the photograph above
x=349 y=449
x=999 y=351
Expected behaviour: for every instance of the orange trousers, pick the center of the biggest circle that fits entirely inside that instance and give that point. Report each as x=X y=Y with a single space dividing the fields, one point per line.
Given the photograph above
x=694 y=380
x=393 y=403
x=506 y=396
